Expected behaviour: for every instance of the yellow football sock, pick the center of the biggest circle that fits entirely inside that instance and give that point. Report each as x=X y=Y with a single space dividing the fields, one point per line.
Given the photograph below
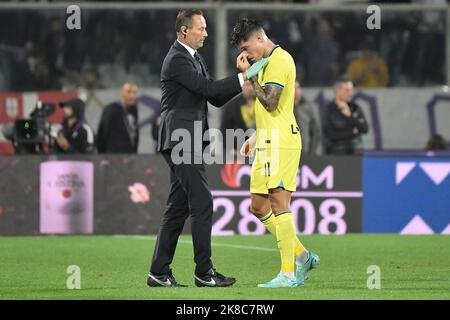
x=299 y=248
x=286 y=240
x=270 y=222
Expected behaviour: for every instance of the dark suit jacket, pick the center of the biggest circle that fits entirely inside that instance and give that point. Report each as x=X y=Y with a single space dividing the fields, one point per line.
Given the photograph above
x=113 y=135
x=185 y=92
x=338 y=129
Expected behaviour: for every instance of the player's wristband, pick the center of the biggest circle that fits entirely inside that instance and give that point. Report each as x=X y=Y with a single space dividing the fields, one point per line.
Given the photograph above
x=256 y=67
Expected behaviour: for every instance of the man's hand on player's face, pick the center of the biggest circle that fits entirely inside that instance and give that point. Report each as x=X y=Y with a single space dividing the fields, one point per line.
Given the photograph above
x=242 y=61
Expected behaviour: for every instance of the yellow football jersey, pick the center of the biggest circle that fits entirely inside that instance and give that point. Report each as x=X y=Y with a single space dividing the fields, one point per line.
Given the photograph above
x=278 y=129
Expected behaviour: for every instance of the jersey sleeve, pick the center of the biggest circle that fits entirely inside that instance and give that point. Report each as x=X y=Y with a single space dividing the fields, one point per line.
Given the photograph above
x=276 y=73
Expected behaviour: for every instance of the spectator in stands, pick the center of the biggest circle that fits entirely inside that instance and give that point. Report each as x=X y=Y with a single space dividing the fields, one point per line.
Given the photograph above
x=75 y=135
x=118 y=130
x=322 y=66
x=45 y=79
x=428 y=44
x=344 y=122
x=238 y=113
x=91 y=79
x=33 y=73
x=307 y=122
x=55 y=45
x=369 y=70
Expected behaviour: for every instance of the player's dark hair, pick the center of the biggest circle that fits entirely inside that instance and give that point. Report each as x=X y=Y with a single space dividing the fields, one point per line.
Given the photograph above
x=243 y=29
x=184 y=18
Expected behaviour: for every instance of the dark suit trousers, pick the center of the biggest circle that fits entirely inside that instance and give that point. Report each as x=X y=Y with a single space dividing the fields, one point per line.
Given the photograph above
x=189 y=195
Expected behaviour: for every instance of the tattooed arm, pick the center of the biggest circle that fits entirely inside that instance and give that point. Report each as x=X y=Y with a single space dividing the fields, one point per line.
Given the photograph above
x=268 y=96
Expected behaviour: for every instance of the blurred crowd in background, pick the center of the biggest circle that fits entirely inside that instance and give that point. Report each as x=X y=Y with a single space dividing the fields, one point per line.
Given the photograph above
x=38 y=52
x=409 y=50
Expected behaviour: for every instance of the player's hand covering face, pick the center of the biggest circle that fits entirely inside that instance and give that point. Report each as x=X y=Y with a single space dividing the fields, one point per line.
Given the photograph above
x=242 y=61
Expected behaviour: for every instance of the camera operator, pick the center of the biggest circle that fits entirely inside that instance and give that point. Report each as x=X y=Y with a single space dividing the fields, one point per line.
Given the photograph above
x=75 y=135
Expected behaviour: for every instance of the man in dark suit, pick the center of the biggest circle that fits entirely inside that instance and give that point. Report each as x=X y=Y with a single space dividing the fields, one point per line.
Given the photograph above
x=186 y=87
x=344 y=122
x=118 y=131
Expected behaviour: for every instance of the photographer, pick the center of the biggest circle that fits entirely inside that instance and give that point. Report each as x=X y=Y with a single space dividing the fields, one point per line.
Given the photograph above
x=75 y=135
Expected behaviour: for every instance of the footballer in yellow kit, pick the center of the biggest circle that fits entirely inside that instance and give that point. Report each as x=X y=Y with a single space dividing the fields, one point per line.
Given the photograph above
x=278 y=141
x=278 y=148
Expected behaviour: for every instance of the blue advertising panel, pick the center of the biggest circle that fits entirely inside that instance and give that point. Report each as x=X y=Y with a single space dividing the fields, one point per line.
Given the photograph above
x=406 y=195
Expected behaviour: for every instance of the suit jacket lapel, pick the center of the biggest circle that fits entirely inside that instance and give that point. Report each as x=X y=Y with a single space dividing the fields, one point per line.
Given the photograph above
x=182 y=49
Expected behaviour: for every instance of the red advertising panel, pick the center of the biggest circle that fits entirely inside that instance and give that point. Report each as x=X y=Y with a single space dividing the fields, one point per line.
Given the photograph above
x=11 y=106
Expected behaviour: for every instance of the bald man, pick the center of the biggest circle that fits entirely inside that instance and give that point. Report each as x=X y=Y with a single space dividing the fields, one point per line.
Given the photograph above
x=118 y=131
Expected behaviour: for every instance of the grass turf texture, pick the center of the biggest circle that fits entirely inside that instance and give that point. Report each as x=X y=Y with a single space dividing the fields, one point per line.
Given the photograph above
x=115 y=267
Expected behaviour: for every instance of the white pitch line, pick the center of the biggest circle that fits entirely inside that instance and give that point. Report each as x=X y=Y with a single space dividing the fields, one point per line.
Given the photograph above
x=225 y=245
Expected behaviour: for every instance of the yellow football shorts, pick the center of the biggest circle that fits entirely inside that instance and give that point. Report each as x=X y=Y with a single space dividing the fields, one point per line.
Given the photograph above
x=273 y=168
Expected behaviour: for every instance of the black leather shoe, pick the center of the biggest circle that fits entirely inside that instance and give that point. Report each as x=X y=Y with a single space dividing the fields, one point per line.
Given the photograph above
x=213 y=279
x=164 y=280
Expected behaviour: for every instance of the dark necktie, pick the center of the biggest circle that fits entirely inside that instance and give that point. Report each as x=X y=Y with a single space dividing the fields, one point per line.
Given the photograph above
x=197 y=58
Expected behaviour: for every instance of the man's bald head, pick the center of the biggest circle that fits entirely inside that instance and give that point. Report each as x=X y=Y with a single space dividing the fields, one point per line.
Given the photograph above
x=129 y=93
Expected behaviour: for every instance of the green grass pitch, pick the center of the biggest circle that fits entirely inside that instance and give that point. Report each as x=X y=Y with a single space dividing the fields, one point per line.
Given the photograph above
x=115 y=267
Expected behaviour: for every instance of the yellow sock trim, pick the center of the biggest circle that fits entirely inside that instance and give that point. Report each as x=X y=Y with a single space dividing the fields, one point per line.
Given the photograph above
x=267 y=216
x=270 y=222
